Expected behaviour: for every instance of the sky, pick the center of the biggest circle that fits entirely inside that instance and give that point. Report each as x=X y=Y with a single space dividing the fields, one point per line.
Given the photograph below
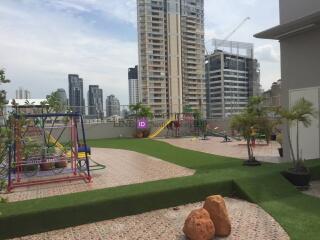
x=41 y=42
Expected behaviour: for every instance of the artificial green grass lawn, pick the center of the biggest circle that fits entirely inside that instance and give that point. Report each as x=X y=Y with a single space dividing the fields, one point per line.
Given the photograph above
x=297 y=213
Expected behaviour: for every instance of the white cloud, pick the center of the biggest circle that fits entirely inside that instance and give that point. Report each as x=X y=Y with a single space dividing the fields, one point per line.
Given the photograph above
x=269 y=53
x=41 y=48
x=124 y=10
x=42 y=41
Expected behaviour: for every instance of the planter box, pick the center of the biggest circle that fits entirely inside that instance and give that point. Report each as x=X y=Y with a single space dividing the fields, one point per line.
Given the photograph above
x=280 y=150
x=297 y=179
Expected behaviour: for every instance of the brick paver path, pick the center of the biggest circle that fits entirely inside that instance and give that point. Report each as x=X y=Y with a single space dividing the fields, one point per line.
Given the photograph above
x=249 y=222
x=122 y=168
x=237 y=149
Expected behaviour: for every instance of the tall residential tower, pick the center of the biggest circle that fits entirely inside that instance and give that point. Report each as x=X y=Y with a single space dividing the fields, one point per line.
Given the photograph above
x=76 y=100
x=95 y=101
x=171 y=55
x=133 y=85
x=23 y=93
x=112 y=106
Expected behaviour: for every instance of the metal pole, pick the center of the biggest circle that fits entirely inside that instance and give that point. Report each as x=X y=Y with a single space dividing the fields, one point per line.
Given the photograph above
x=9 y=169
x=85 y=144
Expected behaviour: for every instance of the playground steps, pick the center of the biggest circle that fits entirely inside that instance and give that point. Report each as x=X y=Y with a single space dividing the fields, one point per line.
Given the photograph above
x=160 y=129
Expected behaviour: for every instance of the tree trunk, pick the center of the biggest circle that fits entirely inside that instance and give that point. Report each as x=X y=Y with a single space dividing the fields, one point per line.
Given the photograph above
x=290 y=145
x=298 y=154
x=249 y=149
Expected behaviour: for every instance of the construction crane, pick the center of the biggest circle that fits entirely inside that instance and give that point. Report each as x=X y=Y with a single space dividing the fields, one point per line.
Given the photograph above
x=230 y=34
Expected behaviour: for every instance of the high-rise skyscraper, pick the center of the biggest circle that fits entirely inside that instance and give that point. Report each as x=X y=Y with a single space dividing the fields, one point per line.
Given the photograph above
x=62 y=95
x=133 y=85
x=112 y=106
x=76 y=100
x=23 y=93
x=232 y=76
x=95 y=101
x=171 y=55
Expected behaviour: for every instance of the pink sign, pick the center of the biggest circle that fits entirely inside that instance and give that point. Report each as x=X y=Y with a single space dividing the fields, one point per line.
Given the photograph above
x=142 y=123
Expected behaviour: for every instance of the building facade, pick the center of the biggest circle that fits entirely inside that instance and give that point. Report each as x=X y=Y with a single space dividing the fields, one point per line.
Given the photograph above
x=232 y=77
x=95 y=102
x=112 y=106
x=272 y=97
x=76 y=100
x=171 y=55
x=133 y=85
x=299 y=36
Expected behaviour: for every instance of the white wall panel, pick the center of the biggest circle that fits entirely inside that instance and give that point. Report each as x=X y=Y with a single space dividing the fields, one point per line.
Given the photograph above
x=309 y=137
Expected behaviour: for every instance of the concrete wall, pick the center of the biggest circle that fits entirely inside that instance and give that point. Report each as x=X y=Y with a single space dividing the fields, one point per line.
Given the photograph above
x=109 y=130
x=97 y=131
x=294 y=9
x=300 y=66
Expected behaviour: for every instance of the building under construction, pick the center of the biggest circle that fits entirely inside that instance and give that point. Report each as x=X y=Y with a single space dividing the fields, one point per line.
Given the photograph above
x=232 y=77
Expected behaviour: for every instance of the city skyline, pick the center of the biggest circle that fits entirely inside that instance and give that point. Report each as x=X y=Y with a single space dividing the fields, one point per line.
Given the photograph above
x=108 y=32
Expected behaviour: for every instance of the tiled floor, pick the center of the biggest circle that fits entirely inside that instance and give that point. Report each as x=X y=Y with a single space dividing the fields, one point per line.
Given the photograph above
x=249 y=222
x=122 y=168
x=214 y=145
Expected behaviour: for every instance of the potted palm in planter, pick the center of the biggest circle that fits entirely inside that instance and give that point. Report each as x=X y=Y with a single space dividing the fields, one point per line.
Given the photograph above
x=140 y=111
x=300 y=113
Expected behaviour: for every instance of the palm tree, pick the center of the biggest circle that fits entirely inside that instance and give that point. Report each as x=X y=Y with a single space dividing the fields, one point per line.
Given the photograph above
x=5 y=133
x=140 y=110
x=301 y=112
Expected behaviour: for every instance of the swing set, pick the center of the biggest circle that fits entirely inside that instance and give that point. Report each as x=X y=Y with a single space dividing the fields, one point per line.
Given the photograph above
x=36 y=155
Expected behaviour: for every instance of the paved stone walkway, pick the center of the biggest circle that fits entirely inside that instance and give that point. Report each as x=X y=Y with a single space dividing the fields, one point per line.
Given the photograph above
x=249 y=222
x=237 y=149
x=314 y=189
x=122 y=168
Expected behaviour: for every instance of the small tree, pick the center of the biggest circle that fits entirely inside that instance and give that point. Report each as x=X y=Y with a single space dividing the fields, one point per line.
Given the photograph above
x=301 y=112
x=3 y=80
x=53 y=104
x=5 y=133
x=254 y=118
x=244 y=123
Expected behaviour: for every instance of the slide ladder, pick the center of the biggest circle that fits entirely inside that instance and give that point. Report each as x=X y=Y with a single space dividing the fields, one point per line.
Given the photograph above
x=57 y=144
x=160 y=129
x=61 y=147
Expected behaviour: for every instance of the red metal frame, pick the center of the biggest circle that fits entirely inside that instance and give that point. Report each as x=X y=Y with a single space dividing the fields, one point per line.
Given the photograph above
x=76 y=174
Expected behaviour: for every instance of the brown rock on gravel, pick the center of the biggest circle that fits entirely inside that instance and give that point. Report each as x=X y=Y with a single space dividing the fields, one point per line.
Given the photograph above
x=199 y=226
x=216 y=207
